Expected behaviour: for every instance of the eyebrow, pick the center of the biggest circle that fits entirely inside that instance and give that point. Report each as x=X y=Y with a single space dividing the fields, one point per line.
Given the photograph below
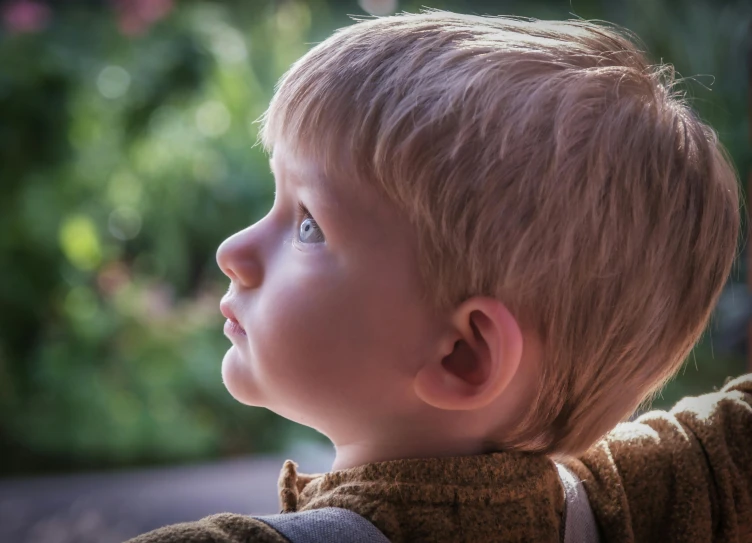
x=315 y=182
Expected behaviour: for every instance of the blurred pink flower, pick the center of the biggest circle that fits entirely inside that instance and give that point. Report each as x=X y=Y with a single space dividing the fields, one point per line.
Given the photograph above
x=136 y=16
x=113 y=277
x=26 y=16
x=157 y=301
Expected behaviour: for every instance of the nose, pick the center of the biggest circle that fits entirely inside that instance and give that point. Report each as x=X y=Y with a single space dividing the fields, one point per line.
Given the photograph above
x=239 y=257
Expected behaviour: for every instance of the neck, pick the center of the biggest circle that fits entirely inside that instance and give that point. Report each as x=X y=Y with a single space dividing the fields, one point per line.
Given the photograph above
x=432 y=435
x=358 y=453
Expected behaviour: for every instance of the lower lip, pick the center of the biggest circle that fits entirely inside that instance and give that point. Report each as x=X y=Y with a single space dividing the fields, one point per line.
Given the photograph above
x=232 y=328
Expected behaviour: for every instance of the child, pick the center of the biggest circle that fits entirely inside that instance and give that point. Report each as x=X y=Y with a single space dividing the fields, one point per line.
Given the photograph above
x=491 y=240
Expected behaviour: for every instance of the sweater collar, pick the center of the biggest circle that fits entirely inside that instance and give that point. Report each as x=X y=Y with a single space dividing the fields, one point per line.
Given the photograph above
x=494 y=476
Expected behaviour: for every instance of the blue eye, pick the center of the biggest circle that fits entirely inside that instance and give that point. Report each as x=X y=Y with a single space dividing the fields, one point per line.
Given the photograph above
x=309 y=231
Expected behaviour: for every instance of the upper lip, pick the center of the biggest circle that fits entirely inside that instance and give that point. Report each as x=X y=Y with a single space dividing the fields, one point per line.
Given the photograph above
x=227 y=311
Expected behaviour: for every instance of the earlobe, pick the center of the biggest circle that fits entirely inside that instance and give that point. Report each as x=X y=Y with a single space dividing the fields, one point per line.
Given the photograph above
x=479 y=358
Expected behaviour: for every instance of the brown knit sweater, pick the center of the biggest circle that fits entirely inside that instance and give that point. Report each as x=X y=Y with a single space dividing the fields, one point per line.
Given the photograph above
x=682 y=476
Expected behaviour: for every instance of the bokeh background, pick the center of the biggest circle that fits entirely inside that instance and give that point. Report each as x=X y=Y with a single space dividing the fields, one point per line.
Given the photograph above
x=127 y=132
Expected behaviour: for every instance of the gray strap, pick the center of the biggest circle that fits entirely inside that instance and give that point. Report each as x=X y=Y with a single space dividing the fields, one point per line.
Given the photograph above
x=328 y=525
x=579 y=522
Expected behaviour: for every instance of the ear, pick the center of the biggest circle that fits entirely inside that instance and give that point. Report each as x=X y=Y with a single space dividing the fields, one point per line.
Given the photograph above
x=478 y=358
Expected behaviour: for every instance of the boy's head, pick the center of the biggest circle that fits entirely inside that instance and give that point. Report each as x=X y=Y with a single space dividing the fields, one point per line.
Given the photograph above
x=517 y=232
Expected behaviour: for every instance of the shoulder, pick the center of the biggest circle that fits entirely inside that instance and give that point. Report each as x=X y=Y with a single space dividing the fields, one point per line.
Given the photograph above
x=221 y=528
x=686 y=471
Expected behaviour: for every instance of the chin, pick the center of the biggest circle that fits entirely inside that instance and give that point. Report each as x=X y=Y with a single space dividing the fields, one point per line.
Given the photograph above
x=238 y=380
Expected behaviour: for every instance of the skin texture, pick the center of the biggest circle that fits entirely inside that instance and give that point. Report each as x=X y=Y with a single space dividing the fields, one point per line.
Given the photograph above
x=338 y=337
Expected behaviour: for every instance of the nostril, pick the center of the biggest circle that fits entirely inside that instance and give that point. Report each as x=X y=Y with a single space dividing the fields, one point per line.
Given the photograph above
x=231 y=274
x=245 y=273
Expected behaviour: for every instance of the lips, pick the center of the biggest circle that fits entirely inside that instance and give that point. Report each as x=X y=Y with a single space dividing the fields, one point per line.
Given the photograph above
x=229 y=314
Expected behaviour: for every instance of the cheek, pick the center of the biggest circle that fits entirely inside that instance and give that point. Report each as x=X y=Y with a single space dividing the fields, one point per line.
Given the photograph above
x=327 y=339
x=305 y=325
x=326 y=336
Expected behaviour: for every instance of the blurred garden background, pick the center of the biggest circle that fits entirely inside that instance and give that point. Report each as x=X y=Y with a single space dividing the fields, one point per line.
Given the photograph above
x=127 y=131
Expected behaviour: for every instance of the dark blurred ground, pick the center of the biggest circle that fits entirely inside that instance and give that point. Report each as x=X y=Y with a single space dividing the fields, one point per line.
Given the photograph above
x=112 y=507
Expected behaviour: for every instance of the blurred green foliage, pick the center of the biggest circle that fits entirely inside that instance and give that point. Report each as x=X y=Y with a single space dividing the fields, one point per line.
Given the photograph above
x=127 y=155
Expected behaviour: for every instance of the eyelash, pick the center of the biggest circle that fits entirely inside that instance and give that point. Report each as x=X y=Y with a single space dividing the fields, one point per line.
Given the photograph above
x=305 y=214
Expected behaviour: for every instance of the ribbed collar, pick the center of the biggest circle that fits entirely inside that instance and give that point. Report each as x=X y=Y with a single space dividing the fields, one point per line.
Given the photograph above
x=522 y=484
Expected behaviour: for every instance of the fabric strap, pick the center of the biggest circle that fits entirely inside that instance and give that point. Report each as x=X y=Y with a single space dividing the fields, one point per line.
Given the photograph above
x=579 y=522
x=334 y=525
x=327 y=525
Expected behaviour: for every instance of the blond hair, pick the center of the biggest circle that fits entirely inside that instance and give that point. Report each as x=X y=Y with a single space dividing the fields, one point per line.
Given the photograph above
x=546 y=164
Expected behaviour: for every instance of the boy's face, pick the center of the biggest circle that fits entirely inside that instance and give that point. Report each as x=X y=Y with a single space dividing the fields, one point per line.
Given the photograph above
x=334 y=325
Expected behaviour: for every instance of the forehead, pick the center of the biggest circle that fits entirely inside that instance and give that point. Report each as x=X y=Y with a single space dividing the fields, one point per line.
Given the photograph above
x=298 y=170
x=289 y=168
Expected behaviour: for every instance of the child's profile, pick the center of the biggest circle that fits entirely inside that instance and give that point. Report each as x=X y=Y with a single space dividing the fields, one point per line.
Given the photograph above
x=492 y=239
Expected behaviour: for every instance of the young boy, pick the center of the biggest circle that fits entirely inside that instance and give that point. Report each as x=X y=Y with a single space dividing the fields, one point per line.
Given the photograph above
x=491 y=240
